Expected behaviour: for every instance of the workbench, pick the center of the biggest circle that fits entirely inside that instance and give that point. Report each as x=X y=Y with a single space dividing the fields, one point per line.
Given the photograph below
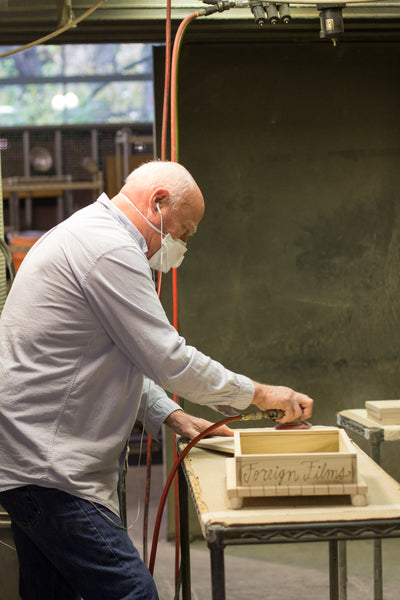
x=357 y=421
x=331 y=519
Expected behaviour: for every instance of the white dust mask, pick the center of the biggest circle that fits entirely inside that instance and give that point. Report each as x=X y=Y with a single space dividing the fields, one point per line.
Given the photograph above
x=169 y=256
x=171 y=253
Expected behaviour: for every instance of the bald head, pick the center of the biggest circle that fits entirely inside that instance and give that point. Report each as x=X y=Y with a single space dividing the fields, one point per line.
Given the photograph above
x=163 y=174
x=167 y=187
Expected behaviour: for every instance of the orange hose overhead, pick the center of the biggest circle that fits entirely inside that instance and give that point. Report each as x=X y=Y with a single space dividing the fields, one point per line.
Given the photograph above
x=171 y=477
x=174 y=80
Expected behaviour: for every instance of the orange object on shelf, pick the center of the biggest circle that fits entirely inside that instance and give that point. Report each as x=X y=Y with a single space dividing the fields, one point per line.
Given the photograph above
x=21 y=243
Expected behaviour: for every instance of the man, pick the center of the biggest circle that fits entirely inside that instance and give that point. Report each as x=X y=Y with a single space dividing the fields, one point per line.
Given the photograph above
x=84 y=341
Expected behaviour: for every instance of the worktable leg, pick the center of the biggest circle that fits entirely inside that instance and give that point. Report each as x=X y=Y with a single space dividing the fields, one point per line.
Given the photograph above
x=333 y=570
x=342 y=570
x=378 y=579
x=217 y=572
x=184 y=537
x=376 y=451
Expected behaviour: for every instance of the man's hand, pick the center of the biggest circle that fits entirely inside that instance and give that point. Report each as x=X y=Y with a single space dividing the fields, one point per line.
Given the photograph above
x=295 y=405
x=189 y=427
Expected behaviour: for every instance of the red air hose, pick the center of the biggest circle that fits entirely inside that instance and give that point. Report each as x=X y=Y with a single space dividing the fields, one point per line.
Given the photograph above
x=171 y=477
x=172 y=79
x=167 y=77
x=174 y=158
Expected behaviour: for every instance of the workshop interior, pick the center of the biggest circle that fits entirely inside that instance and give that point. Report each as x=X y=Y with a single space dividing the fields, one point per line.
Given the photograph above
x=287 y=114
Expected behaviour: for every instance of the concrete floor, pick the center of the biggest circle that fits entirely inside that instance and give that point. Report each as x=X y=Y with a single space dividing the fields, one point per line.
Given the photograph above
x=278 y=572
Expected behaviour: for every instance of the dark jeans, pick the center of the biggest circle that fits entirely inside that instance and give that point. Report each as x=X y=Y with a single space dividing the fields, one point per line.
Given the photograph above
x=70 y=548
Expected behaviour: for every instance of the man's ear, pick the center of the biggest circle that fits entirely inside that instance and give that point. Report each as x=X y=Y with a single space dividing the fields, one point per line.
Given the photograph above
x=159 y=198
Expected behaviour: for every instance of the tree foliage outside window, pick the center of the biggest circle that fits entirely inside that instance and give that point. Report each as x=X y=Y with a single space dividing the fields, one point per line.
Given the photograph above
x=76 y=84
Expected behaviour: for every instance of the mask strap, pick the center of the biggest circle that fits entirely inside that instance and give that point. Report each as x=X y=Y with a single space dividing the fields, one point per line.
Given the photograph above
x=141 y=214
x=161 y=224
x=160 y=213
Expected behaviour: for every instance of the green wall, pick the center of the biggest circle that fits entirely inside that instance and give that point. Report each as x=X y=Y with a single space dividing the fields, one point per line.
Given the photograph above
x=294 y=275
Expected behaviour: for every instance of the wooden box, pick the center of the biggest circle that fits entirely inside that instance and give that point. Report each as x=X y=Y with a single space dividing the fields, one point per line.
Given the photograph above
x=313 y=462
x=386 y=412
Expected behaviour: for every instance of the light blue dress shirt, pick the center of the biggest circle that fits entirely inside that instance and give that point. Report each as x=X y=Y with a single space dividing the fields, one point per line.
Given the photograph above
x=81 y=328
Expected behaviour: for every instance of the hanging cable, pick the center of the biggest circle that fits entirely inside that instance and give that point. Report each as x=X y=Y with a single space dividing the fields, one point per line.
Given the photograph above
x=53 y=34
x=147 y=498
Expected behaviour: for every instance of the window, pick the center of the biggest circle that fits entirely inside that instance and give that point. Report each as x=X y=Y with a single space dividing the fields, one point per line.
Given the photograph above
x=77 y=84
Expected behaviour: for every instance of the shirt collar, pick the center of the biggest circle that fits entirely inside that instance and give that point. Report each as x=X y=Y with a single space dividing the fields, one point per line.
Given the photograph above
x=123 y=219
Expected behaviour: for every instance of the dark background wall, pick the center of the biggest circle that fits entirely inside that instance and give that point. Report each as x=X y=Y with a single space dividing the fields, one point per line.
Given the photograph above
x=293 y=277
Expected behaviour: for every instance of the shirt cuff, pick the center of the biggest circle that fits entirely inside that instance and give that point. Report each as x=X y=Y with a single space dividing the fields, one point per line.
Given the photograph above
x=157 y=411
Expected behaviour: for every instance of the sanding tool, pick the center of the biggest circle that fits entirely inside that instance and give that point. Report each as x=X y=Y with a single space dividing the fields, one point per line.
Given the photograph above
x=297 y=424
x=274 y=414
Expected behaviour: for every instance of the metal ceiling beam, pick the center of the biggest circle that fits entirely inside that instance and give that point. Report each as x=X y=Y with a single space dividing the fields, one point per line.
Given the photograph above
x=47 y=11
x=22 y=21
